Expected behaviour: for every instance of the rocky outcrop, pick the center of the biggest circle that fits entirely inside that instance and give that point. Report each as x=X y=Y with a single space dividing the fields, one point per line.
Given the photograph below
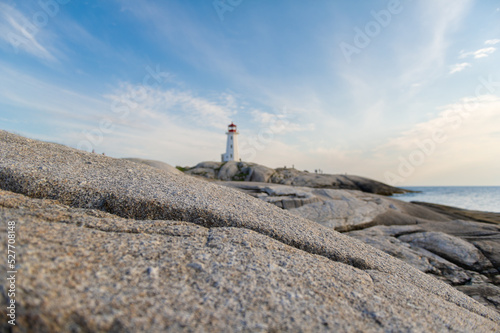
x=464 y=254
x=232 y=171
x=451 y=248
x=448 y=250
x=343 y=210
x=348 y=182
x=127 y=248
x=286 y=197
x=243 y=171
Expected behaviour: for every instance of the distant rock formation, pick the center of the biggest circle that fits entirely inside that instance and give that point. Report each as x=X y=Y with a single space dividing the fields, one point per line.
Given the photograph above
x=232 y=171
x=245 y=171
x=113 y=245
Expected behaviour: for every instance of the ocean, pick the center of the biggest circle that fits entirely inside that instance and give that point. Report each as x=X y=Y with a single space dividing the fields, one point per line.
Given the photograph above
x=484 y=198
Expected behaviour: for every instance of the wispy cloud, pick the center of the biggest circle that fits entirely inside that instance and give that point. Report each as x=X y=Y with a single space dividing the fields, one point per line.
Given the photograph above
x=459 y=67
x=204 y=48
x=280 y=123
x=148 y=104
x=175 y=125
x=441 y=19
x=20 y=34
x=481 y=53
x=492 y=41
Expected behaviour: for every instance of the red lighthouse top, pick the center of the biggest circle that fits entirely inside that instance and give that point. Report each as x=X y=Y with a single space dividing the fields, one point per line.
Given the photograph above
x=232 y=128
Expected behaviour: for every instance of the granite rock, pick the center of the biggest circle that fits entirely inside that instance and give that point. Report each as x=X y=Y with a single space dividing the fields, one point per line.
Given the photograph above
x=228 y=171
x=232 y=171
x=156 y=164
x=131 y=248
x=449 y=247
x=342 y=210
x=246 y=171
x=451 y=257
x=260 y=173
x=460 y=253
x=86 y=270
x=319 y=180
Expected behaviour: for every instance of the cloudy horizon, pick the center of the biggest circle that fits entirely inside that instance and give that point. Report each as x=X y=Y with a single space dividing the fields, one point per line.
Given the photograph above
x=404 y=92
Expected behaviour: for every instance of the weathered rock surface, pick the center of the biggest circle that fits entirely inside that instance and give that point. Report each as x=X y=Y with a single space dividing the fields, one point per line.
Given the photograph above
x=156 y=164
x=386 y=239
x=286 y=197
x=462 y=214
x=228 y=171
x=195 y=257
x=342 y=210
x=232 y=171
x=347 y=182
x=450 y=256
x=465 y=254
x=449 y=247
x=244 y=171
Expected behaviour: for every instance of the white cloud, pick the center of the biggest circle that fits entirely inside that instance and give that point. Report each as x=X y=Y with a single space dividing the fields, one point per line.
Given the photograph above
x=21 y=34
x=439 y=20
x=146 y=105
x=481 y=53
x=280 y=123
x=492 y=41
x=459 y=67
x=169 y=124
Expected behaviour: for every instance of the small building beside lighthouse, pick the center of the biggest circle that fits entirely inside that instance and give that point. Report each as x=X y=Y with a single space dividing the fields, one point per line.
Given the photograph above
x=232 y=150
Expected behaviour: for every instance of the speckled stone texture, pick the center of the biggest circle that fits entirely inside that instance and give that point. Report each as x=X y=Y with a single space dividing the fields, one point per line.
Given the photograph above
x=464 y=254
x=129 y=248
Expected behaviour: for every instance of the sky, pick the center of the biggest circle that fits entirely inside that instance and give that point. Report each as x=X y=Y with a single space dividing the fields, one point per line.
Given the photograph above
x=405 y=92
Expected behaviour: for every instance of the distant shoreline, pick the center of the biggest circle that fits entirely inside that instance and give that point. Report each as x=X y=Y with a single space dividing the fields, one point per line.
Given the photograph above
x=474 y=198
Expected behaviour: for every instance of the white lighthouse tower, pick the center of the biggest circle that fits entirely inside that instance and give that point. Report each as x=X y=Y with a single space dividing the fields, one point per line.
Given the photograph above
x=232 y=151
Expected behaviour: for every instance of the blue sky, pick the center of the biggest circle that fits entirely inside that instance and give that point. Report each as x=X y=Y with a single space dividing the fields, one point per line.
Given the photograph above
x=405 y=92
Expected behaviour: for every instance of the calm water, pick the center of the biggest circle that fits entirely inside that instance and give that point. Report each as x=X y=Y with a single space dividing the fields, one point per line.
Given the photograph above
x=485 y=198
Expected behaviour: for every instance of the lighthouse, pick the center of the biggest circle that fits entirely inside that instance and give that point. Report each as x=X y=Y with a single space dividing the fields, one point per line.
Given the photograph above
x=232 y=151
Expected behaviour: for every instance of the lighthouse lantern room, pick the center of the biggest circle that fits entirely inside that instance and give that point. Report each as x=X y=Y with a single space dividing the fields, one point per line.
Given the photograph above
x=232 y=151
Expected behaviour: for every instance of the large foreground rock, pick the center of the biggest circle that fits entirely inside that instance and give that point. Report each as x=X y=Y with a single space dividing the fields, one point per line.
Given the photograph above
x=171 y=252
